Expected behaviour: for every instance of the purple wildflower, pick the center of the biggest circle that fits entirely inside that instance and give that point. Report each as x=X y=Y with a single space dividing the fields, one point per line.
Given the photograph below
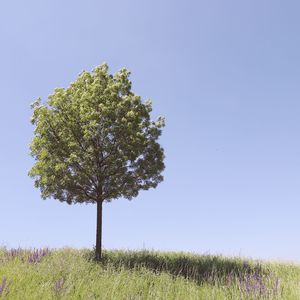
x=246 y=265
x=276 y=287
x=247 y=286
x=13 y=252
x=229 y=279
x=59 y=285
x=4 y=286
x=37 y=256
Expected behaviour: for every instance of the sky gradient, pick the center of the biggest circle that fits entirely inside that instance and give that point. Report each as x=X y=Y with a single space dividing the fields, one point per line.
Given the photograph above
x=225 y=74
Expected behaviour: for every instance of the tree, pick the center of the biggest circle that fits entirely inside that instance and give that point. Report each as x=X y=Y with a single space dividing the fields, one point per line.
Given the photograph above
x=94 y=142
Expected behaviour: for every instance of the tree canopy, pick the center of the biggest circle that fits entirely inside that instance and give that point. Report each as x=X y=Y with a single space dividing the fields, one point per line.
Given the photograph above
x=95 y=141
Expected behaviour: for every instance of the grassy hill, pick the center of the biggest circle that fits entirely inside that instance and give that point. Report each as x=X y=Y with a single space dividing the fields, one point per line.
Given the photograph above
x=72 y=274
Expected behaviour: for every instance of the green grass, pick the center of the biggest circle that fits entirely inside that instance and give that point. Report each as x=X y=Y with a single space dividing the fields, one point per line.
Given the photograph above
x=73 y=274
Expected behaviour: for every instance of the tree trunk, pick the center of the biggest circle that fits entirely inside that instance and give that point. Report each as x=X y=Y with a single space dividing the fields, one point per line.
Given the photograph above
x=98 y=253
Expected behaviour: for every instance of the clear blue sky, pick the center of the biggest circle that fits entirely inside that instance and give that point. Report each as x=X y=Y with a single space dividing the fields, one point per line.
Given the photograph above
x=225 y=74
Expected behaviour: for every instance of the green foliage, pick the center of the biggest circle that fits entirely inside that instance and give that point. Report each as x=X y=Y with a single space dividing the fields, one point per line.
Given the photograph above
x=95 y=141
x=71 y=274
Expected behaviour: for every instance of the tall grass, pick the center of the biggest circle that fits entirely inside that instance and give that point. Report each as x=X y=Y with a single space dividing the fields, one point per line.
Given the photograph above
x=73 y=274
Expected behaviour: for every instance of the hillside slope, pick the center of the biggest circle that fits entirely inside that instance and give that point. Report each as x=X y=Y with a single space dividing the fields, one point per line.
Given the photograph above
x=72 y=274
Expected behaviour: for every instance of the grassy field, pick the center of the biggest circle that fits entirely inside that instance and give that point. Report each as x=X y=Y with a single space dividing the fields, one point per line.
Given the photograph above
x=73 y=274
